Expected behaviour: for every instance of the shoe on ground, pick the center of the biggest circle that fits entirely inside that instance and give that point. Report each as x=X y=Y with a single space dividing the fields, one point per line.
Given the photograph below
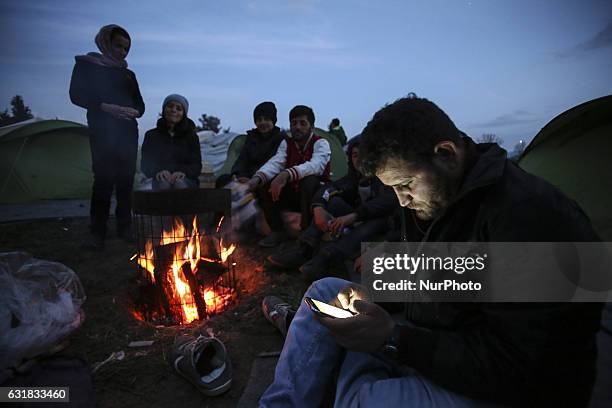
x=277 y=312
x=317 y=267
x=203 y=361
x=94 y=243
x=292 y=258
x=274 y=239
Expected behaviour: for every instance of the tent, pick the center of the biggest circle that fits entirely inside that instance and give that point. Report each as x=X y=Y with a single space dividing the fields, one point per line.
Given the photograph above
x=573 y=152
x=214 y=148
x=339 y=166
x=44 y=160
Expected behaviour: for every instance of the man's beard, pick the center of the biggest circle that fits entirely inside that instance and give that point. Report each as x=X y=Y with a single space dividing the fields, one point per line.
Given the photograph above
x=439 y=198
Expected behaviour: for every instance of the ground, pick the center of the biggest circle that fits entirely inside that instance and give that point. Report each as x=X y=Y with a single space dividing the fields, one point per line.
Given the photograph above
x=144 y=378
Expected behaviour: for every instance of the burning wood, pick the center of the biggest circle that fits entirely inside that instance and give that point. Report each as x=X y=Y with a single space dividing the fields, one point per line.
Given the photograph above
x=186 y=269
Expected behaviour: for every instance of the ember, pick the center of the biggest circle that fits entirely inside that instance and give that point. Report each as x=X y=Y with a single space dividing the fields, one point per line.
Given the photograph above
x=185 y=268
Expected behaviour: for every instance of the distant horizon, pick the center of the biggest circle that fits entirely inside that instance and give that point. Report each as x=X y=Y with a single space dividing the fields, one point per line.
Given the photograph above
x=506 y=68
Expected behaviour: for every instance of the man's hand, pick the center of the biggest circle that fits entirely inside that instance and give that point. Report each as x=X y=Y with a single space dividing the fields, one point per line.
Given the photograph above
x=253 y=183
x=177 y=176
x=164 y=175
x=365 y=332
x=337 y=224
x=321 y=218
x=277 y=185
x=349 y=294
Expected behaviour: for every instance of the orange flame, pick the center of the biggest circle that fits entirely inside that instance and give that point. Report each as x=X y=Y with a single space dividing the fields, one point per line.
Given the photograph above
x=189 y=251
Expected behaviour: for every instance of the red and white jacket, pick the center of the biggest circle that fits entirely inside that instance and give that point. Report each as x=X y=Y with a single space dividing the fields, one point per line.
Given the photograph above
x=312 y=159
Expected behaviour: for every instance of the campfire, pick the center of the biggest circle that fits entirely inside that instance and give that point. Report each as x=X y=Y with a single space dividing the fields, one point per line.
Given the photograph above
x=185 y=268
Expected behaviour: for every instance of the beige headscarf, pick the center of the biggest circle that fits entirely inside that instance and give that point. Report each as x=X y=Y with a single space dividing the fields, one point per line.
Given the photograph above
x=103 y=41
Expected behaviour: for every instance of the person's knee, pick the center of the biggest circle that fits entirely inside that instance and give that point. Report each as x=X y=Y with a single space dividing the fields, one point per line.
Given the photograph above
x=161 y=185
x=326 y=289
x=309 y=185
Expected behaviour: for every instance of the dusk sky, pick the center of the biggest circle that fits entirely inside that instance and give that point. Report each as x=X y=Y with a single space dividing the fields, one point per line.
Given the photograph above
x=503 y=67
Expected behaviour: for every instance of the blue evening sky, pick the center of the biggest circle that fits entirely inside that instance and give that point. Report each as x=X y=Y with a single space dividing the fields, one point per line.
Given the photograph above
x=503 y=67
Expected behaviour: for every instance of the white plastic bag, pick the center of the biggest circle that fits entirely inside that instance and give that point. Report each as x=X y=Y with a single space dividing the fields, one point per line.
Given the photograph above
x=40 y=304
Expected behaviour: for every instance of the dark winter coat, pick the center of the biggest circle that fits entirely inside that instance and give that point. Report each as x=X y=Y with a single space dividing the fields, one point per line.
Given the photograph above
x=381 y=203
x=92 y=85
x=180 y=152
x=523 y=354
x=257 y=150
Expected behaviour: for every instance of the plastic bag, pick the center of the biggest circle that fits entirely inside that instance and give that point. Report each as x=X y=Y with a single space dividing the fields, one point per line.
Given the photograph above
x=40 y=304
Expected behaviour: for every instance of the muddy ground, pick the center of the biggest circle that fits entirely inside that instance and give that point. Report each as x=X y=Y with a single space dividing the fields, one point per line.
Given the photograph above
x=144 y=378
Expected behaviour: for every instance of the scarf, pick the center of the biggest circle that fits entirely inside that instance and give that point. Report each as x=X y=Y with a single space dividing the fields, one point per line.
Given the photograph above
x=106 y=58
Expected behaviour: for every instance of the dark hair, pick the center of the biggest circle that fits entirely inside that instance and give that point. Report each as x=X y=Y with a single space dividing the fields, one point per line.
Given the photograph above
x=300 y=110
x=119 y=31
x=409 y=129
x=335 y=122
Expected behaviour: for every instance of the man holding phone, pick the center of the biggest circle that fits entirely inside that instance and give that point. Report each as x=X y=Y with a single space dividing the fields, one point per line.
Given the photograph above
x=446 y=354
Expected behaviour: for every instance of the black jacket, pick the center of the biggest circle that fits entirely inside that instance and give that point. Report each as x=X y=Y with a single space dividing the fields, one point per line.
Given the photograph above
x=257 y=150
x=381 y=203
x=180 y=152
x=91 y=85
x=523 y=354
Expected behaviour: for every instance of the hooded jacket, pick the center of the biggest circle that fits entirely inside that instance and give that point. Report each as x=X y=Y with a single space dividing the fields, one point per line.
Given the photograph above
x=257 y=150
x=91 y=85
x=181 y=152
x=522 y=354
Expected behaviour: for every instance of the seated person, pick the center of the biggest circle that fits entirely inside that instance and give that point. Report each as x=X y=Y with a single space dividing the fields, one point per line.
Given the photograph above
x=292 y=176
x=336 y=207
x=259 y=147
x=445 y=354
x=171 y=151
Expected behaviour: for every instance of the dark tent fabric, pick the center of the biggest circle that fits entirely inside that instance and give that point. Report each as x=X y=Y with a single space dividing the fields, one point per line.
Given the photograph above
x=574 y=152
x=44 y=160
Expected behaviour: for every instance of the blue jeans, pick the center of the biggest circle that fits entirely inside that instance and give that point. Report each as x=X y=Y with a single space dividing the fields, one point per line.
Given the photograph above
x=310 y=355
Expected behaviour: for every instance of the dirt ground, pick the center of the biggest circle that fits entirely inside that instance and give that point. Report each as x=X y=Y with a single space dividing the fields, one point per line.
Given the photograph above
x=144 y=378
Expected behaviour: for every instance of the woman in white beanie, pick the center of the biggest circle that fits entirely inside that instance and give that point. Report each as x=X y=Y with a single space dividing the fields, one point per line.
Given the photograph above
x=171 y=151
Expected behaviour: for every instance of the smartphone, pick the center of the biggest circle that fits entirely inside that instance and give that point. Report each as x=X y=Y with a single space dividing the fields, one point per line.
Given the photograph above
x=327 y=310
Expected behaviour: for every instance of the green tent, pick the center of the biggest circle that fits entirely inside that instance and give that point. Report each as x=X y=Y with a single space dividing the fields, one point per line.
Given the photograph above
x=574 y=152
x=44 y=160
x=339 y=166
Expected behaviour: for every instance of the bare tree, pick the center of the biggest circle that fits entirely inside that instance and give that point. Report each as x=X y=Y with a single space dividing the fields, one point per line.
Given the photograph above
x=209 y=122
x=490 y=138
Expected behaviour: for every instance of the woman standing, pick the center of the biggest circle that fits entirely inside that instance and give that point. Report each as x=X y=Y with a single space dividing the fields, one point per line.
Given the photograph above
x=171 y=151
x=102 y=84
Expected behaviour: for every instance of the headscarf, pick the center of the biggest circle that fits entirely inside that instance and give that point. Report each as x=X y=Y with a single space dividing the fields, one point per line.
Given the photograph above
x=103 y=41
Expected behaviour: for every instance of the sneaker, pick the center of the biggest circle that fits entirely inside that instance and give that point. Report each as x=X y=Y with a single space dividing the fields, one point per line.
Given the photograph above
x=272 y=240
x=317 y=267
x=277 y=312
x=204 y=362
x=291 y=259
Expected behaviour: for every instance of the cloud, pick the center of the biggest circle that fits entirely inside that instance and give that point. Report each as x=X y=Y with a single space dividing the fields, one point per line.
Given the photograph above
x=603 y=39
x=237 y=49
x=518 y=117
